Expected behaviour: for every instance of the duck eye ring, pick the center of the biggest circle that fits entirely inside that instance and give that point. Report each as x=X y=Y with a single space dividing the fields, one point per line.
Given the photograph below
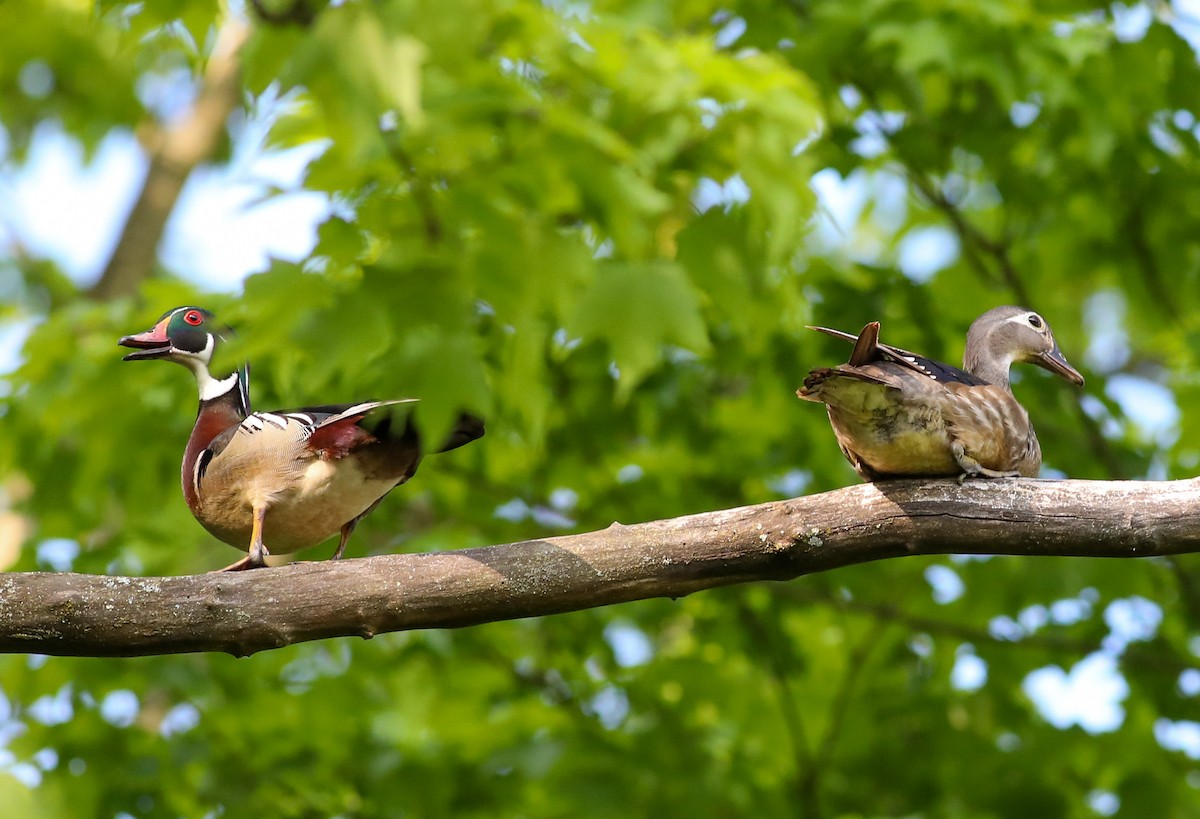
x=194 y=317
x=1035 y=321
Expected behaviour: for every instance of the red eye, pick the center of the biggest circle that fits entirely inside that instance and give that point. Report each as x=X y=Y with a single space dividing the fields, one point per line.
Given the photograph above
x=194 y=317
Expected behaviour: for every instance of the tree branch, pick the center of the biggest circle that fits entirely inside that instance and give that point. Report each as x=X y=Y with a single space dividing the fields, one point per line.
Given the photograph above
x=417 y=186
x=971 y=237
x=781 y=663
x=74 y=614
x=1147 y=262
x=174 y=153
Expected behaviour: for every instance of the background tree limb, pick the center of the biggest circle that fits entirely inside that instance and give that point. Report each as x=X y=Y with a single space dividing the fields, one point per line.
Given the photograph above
x=174 y=152
x=74 y=614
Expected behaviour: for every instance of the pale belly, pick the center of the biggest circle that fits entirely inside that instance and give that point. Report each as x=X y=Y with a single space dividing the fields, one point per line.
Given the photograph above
x=324 y=497
x=919 y=442
x=890 y=446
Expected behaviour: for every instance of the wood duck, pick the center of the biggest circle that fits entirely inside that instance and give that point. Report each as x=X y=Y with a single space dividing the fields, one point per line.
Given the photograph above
x=290 y=478
x=897 y=414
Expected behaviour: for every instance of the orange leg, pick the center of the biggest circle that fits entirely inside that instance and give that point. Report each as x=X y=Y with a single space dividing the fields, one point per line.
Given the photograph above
x=256 y=558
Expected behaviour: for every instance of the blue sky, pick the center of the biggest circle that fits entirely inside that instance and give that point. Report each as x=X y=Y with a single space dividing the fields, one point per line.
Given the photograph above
x=222 y=229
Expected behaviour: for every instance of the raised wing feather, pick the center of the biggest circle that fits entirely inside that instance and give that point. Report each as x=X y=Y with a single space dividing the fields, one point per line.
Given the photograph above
x=927 y=367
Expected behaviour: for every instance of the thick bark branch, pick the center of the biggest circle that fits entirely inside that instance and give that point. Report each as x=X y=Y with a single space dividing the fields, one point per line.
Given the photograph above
x=74 y=614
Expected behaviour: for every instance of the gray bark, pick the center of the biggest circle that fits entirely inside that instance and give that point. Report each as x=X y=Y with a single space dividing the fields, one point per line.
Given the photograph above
x=245 y=612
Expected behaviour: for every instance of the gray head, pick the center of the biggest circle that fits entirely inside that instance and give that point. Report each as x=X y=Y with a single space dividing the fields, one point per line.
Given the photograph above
x=1007 y=334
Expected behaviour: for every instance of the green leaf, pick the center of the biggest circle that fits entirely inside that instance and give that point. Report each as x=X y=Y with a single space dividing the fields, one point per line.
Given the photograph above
x=638 y=310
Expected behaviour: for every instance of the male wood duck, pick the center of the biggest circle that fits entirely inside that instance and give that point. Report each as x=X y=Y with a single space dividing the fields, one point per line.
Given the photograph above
x=290 y=479
x=897 y=414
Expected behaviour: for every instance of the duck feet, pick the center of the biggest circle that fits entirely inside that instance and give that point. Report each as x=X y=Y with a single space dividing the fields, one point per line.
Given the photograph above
x=240 y=566
x=971 y=468
x=256 y=555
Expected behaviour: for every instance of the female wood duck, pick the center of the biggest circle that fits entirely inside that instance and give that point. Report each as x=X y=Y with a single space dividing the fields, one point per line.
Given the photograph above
x=897 y=414
x=290 y=479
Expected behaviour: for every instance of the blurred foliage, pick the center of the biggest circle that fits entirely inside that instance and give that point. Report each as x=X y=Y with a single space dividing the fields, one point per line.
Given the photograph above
x=598 y=226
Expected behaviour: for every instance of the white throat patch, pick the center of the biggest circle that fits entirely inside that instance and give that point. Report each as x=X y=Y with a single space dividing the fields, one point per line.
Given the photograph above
x=210 y=387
